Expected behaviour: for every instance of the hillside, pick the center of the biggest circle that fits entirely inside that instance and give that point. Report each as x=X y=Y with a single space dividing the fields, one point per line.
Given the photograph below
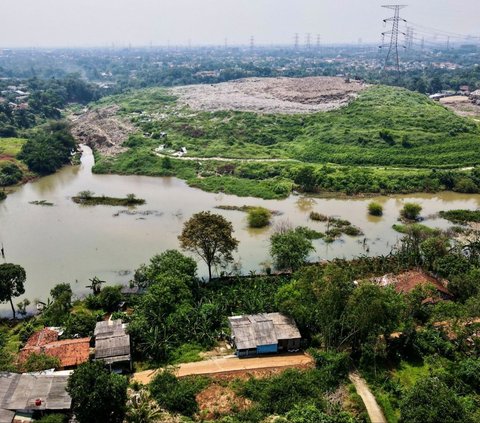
x=381 y=129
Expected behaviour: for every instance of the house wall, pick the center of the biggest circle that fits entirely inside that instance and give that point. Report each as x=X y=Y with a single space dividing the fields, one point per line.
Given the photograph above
x=267 y=349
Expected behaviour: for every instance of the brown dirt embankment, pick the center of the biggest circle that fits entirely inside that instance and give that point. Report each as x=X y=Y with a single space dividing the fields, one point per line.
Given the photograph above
x=102 y=130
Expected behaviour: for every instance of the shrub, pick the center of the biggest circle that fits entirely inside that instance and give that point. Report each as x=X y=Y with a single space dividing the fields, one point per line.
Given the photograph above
x=258 y=217
x=39 y=362
x=411 y=211
x=10 y=174
x=318 y=217
x=176 y=395
x=375 y=209
x=53 y=418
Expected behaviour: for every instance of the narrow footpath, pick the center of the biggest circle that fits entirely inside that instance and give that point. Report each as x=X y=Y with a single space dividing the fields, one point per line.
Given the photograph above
x=373 y=409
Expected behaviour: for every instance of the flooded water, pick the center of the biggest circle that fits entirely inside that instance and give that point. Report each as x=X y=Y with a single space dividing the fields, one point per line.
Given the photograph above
x=71 y=243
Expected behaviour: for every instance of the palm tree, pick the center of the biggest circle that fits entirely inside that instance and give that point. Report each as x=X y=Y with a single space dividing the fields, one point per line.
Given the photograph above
x=96 y=285
x=141 y=408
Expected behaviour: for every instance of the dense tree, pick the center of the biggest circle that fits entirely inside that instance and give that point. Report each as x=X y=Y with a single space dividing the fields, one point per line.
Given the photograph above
x=12 y=280
x=98 y=396
x=431 y=401
x=49 y=148
x=210 y=237
x=290 y=249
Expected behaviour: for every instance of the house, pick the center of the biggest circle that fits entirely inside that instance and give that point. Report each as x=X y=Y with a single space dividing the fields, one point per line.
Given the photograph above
x=31 y=393
x=263 y=334
x=475 y=97
x=406 y=282
x=70 y=352
x=112 y=344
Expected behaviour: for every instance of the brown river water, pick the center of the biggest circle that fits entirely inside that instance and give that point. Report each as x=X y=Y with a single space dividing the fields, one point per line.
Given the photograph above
x=71 y=243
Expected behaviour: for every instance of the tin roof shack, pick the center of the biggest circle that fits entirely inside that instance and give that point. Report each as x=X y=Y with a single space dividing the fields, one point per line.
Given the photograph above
x=263 y=334
x=70 y=352
x=33 y=394
x=112 y=344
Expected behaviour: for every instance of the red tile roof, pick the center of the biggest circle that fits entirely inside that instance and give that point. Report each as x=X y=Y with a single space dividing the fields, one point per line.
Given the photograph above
x=70 y=352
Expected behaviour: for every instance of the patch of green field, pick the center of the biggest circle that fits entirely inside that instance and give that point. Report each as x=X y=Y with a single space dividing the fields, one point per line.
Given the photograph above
x=461 y=216
x=11 y=146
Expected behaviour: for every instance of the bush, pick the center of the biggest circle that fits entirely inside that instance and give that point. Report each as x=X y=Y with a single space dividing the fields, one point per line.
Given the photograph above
x=176 y=395
x=375 y=209
x=39 y=362
x=53 y=418
x=411 y=211
x=10 y=174
x=80 y=324
x=109 y=298
x=258 y=217
x=318 y=217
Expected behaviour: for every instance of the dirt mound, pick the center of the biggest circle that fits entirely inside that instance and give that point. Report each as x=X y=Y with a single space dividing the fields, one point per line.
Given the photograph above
x=102 y=130
x=271 y=95
x=217 y=400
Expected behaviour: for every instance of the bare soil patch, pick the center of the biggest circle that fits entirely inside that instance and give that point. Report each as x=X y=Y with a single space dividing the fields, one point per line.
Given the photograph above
x=102 y=130
x=271 y=95
x=461 y=105
x=217 y=400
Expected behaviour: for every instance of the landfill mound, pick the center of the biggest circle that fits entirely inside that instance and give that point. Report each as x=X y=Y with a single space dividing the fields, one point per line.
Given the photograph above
x=272 y=95
x=102 y=130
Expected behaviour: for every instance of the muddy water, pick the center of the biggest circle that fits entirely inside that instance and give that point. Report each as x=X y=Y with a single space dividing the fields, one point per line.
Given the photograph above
x=72 y=243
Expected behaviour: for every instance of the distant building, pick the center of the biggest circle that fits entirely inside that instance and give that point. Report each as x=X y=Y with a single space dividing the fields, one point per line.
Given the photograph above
x=28 y=393
x=112 y=344
x=263 y=334
x=70 y=352
x=475 y=97
x=406 y=282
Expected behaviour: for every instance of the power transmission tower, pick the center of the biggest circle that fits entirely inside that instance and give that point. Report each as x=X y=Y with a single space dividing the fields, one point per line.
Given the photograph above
x=394 y=34
x=307 y=41
x=318 y=41
x=409 y=38
x=295 y=41
x=252 y=42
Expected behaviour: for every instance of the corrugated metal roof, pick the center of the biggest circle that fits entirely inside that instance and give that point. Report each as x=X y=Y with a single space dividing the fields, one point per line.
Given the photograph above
x=6 y=416
x=20 y=391
x=251 y=331
x=112 y=343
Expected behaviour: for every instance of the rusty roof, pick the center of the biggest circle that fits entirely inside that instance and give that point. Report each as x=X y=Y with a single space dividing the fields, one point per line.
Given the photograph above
x=70 y=352
x=42 y=337
x=407 y=281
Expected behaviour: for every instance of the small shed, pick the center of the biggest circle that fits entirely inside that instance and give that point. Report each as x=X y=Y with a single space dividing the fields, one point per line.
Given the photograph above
x=264 y=334
x=112 y=344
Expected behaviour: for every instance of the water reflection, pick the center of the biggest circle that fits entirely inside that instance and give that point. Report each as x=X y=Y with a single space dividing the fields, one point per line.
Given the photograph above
x=70 y=243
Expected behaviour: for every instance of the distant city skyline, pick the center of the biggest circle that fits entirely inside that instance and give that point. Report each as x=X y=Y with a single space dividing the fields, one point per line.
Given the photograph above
x=100 y=23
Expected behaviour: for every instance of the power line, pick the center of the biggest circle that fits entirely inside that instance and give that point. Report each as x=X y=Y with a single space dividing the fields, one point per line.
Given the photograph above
x=394 y=34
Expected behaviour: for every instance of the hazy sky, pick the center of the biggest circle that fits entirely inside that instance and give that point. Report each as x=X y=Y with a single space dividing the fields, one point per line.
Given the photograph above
x=141 y=22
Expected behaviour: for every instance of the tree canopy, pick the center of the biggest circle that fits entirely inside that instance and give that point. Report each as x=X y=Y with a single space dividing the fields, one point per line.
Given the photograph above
x=12 y=280
x=210 y=237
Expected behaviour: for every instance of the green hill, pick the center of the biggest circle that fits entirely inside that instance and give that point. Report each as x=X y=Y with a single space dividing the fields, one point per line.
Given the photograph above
x=367 y=146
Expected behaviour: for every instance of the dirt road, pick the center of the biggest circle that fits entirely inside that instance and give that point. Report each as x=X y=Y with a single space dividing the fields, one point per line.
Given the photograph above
x=373 y=409
x=231 y=364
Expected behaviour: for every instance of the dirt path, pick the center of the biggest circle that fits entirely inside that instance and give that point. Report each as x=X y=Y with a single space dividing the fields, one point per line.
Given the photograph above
x=231 y=364
x=224 y=159
x=373 y=409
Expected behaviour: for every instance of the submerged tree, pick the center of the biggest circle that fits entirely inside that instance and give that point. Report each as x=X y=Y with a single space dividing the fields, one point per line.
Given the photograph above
x=210 y=237
x=12 y=280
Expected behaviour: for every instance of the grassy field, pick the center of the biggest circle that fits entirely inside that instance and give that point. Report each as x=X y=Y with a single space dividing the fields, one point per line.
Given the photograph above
x=11 y=146
x=387 y=140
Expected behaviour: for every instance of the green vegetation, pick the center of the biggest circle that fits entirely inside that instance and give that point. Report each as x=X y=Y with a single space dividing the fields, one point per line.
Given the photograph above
x=87 y=198
x=98 y=396
x=48 y=148
x=318 y=217
x=290 y=248
x=375 y=209
x=41 y=203
x=12 y=280
x=210 y=237
x=411 y=211
x=461 y=216
x=258 y=217
x=318 y=152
